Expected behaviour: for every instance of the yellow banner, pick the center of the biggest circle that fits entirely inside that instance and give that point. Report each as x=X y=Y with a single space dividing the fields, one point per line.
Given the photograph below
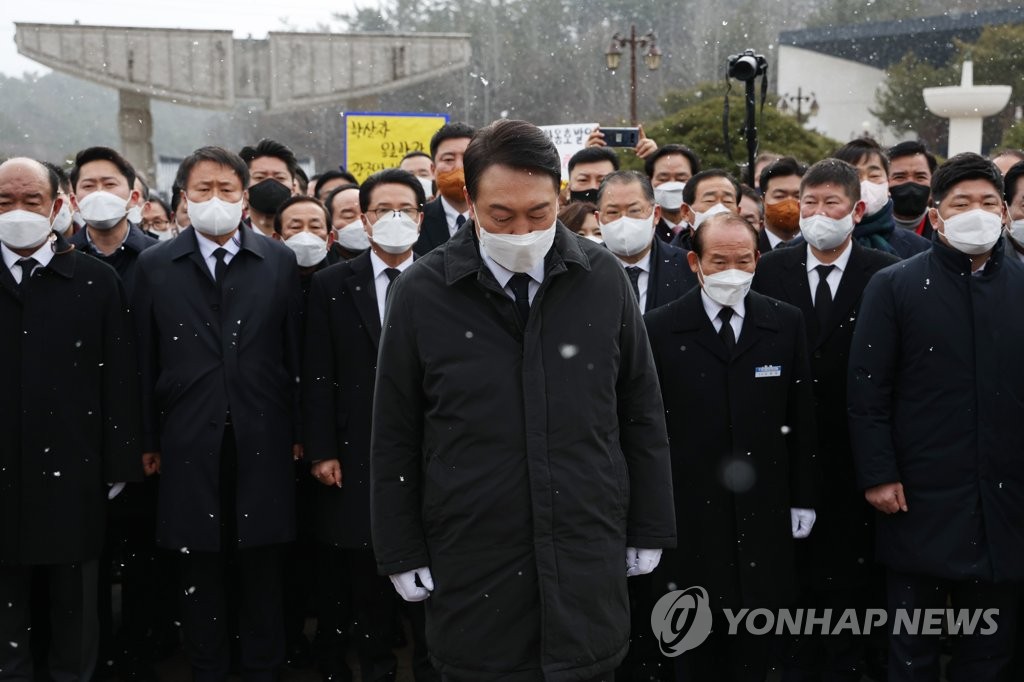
x=375 y=141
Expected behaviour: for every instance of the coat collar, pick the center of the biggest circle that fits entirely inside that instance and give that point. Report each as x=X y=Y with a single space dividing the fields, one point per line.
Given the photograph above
x=364 y=294
x=953 y=260
x=692 y=318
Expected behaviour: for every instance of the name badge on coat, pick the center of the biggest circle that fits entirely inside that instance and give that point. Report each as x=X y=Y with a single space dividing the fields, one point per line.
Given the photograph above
x=766 y=371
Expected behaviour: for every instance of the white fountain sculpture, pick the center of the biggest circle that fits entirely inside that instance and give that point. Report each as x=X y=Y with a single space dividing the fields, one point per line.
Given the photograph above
x=966 y=105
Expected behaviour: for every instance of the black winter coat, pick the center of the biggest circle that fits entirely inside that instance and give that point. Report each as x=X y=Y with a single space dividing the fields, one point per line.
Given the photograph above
x=518 y=464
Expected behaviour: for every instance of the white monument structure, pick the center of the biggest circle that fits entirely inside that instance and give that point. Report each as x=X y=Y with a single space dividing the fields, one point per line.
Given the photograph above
x=966 y=105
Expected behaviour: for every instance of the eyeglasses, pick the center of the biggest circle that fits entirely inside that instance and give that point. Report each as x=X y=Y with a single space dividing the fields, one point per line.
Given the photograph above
x=159 y=225
x=378 y=213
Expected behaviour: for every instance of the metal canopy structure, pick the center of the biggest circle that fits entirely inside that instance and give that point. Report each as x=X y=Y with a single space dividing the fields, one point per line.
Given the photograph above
x=212 y=69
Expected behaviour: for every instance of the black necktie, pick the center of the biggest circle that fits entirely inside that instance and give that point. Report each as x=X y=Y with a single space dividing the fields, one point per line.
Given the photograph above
x=221 y=267
x=520 y=285
x=726 y=333
x=823 y=294
x=26 y=265
x=392 y=273
x=460 y=221
x=634 y=277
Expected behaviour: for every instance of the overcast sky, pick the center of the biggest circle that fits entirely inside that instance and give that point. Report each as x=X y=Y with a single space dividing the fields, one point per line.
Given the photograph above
x=244 y=17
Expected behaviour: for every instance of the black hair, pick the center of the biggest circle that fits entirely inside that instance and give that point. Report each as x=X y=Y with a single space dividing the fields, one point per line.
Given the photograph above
x=697 y=243
x=1011 y=179
x=390 y=176
x=416 y=152
x=329 y=199
x=593 y=155
x=856 y=150
x=575 y=214
x=145 y=187
x=102 y=154
x=516 y=144
x=753 y=195
x=783 y=167
x=669 y=150
x=835 y=171
x=913 y=148
x=627 y=177
x=449 y=131
x=1006 y=151
x=154 y=199
x=965 y=166
x=266 y=147
x=57 y=177
x=301 y=179
x=300 y=199
x=217 y=155
x=175 y=197
x=327 y=176
x=690 y=190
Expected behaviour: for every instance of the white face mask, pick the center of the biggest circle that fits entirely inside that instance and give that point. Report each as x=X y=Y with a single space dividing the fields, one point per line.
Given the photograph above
x=165 y=235
x=594 y=238
x=875 y=196
x=1016 y=231
x=215 y=217
x=517 y=252
x=714 y=210
x=309 y=249
x=428 y=186
x=20 y=229
x=973 y=232
x=103 y=210
x=135 y=215
x=726 y=288
x=669 y=195
x=396 y=233
x=353 y=237
x=62 y=221
x=627 y=236
x=825 y=233
x=77 y=219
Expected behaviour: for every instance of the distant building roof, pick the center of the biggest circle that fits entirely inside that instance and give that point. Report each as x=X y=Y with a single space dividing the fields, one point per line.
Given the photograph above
x=883 y=43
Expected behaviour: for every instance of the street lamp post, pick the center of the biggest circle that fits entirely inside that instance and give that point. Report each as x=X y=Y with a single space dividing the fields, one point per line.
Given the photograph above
x=799 y=98
x=652 y=59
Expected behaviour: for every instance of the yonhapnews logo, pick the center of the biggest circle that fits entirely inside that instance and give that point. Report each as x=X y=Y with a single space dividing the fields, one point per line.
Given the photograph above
x=681 y=620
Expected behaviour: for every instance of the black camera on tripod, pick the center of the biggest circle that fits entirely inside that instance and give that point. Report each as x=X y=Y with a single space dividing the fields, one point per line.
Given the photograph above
x=747 y=65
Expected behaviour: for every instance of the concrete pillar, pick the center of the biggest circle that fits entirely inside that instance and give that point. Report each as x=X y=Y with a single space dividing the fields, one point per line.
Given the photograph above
x=135 y=123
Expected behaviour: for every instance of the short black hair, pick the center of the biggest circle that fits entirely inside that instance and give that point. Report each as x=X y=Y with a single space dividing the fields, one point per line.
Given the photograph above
x=91 y=154
x=856 y=150
x=218 y=155
x=697 y=243
x=449 y=131
x=62 y=180
x=593 y=155
x=690 y=190
x=329 y=199
x=1006 y=151
x=327 y=176
x=414 y=153
x=627 y=177
x=389 y=176
x=965 y=166
x=783 y=167
x=835 y=171
x=300 y=199
x=301 y=179
x=267 y=147
x=175 y=197
x=913 y=148
x=669 y=150
x=154 y=199
x=1011 y=179
x=516 y=144
x=753 y=195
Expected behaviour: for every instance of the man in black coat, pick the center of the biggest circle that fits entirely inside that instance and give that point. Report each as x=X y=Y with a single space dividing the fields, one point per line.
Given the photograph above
x=935 y=403
x=343 y=327
x=70 y=422
x=627 y=213
x=825 y=279
x=519 y=463
x=443 y=216
x=736 y=382
x=220 y=373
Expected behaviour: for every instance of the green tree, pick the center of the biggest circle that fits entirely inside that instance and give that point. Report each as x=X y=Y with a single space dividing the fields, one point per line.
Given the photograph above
x=900 y=106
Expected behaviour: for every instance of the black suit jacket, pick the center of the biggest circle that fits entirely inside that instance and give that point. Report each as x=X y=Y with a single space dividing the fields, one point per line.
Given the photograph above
x=840 y=548
x=670 y=275
x=207 y=349
x=434 y=230
x=742 y=435
x=124 y=259
x=339 y=370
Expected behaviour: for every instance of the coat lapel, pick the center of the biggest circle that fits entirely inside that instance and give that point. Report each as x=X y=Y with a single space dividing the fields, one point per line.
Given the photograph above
x=759 y=318
x=364 y=295
x=693 y=319
x=851 y=286
x=7 y=281
x=798 y=290
x=185 y=245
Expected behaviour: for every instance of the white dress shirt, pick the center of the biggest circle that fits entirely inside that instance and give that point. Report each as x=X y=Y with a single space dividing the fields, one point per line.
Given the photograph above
x=503 y=275
x=645 y=276
x=380 y=278
x=207 y=246
x=834 y=277
x=773 y=239
x=712 y=309
x=43 y=255
x=452 y=216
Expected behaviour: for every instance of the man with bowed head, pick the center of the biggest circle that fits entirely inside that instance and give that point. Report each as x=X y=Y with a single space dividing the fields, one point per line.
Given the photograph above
x=512 y=320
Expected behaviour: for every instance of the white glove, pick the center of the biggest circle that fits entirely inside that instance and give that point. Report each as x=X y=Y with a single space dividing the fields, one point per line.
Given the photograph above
x=115 y=490
x=641 y=561
x=405 y=584
x=803 y=521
